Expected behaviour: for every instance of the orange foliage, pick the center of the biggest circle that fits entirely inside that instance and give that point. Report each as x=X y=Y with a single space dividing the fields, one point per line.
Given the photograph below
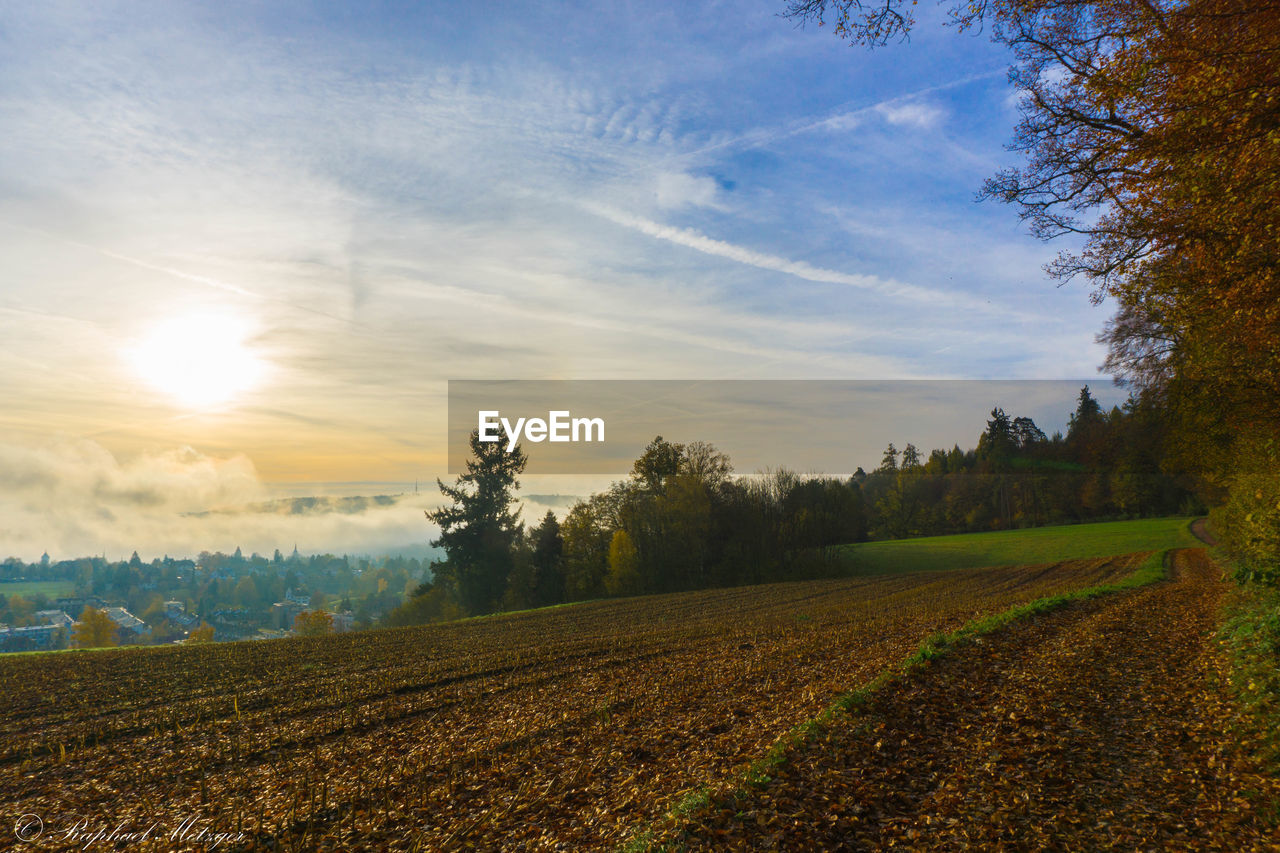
x=94 y=630
x=313 y=623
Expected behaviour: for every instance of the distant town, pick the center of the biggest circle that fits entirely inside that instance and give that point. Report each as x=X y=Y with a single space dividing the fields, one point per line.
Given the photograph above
x=92 y=602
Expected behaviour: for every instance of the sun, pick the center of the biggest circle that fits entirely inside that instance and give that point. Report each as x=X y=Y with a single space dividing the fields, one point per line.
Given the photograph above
x=200 y=360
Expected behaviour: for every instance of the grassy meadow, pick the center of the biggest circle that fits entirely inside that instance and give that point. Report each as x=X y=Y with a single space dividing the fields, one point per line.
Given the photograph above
x=1018 y=547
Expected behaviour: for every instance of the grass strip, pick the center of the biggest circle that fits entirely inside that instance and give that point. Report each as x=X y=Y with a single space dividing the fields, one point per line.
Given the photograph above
x=760 y=772
x=1251 y=635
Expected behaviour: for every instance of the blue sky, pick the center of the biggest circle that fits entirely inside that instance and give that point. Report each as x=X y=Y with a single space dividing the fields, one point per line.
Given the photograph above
x=375 y=199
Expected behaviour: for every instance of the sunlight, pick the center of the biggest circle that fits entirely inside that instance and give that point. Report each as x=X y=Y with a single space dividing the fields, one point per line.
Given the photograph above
x=200 y=360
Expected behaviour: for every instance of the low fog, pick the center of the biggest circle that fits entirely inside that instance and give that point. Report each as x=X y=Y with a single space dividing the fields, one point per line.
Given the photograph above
x=72 y=497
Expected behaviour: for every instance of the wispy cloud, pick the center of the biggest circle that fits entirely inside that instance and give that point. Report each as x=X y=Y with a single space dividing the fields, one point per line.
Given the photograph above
x=394 y=208
x=800 y=269
x=916 y=114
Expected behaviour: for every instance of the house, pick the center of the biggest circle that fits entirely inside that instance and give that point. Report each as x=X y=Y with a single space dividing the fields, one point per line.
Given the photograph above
x=176 y=613
x=33 y=637
x=231 y=616
x=130 y=629
x=75 y=605
x=57 y=618
x=298 y=598
x=284 y=612
x=52 y=631
x=342 y=622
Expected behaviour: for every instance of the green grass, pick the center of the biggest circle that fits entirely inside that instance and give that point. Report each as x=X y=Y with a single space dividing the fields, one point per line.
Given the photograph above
x=30 y=589
x=1018 y=547
x=1251 y=635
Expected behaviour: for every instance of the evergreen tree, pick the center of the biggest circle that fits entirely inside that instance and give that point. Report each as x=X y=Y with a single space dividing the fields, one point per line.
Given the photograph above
x=547 y=560
x=479 y=529
x=890 y=460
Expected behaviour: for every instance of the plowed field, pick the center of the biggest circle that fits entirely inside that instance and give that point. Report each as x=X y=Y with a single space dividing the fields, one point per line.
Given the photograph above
x=1102 y=726
x=554 y=729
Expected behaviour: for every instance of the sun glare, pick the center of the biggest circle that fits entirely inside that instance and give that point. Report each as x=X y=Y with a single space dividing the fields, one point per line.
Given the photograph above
x=199 y=360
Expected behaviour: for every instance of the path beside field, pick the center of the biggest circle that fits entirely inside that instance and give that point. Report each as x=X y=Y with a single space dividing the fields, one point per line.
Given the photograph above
x=1100 y=726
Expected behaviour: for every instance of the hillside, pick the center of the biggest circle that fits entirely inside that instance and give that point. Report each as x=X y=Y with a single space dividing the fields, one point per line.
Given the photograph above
x=580 y=725
x=1101 y=726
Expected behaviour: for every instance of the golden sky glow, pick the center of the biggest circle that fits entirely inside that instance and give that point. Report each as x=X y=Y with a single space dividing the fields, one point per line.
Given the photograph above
x=270 y=242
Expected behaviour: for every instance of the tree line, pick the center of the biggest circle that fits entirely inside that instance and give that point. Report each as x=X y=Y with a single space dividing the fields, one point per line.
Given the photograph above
x=681 y=520
x=1149 y=134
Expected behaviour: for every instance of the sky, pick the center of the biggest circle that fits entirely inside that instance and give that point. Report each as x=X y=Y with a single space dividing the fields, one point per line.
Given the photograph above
x=246 y=245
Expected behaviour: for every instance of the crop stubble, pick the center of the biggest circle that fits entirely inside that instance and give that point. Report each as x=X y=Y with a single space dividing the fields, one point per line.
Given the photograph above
x=1103 y=726
x=553 y=729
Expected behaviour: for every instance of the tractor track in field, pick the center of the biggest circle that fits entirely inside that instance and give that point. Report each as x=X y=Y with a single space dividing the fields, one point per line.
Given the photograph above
x=1103 y=725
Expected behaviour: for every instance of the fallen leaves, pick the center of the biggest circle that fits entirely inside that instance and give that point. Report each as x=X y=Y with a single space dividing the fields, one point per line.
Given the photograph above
x=1097 y=727
x=556 y=729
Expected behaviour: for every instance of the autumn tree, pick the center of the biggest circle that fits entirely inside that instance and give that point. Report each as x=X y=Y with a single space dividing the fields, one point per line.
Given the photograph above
x=587 y=531
x=661 y=459
x=201 y=635
x=313 y=623
x=1149 y=129
x=623 y=577
x=94 y=630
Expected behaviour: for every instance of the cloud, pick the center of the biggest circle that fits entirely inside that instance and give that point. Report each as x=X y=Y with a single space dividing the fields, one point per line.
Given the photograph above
x=843 y=122
x=72 y=497
x=917 y=114
x=800 y=269
x=680 y=189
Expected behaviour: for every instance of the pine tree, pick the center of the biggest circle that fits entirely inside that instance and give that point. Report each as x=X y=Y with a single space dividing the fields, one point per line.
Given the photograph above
x=478 y=531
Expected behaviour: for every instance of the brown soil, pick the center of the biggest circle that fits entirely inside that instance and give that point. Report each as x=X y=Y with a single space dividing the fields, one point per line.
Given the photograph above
x=1100 y=726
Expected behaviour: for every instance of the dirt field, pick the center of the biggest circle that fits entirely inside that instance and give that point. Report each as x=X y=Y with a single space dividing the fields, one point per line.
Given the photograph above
x=1101 y=726
x=560 y=728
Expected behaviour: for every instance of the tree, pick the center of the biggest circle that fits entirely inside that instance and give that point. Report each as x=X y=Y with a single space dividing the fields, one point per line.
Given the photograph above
x=889 y=463
x=94 y=630
x=246 y=593
x=623 y=577
x=661 y=459
x=431 y=602
x=547 y=561
x=21 y=608
x=587 y=532
x=1149 y=133
x=1087 y=430
x=1027 y=435
x=997 y=444
x=479 y=528
x=910 y=457
x=203 y=634
x=705 y=463
x=313 y=623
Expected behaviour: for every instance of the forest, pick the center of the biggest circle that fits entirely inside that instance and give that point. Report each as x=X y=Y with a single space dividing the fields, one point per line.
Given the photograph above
x=683 y=521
